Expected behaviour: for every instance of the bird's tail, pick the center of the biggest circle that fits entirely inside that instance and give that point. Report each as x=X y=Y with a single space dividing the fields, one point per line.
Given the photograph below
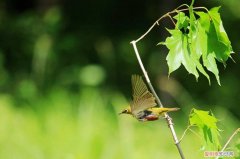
x=164 y=110
x=171 y=109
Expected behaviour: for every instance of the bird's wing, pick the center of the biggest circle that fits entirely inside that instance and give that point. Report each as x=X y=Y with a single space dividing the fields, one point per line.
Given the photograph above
x=142 y=98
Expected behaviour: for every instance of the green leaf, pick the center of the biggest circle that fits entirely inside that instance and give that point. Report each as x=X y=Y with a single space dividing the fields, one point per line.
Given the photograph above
x=202 y=45
x=221 y=33
x=182 y=21
x=201 y=118
x=221 y=51
x=179 y=53
x=207 y=134
x=207 y=126
x=218 y=42
x=210 y=63
x=197 y=42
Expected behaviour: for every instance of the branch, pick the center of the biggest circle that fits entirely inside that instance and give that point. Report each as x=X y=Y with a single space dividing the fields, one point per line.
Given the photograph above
x=168 y=15
x=185 y=131
x=228 y=141
x=168 y=118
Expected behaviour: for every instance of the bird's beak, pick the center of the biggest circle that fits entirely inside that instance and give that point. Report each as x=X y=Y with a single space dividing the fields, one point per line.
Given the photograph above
x=120 y=113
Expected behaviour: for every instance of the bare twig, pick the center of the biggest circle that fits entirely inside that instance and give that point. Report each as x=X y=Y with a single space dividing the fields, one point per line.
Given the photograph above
x=184 y=133
x=167 y=15
x=195 y=133
x=182 y=6
x=168 y=118
x=228 y=141
x=171 y=19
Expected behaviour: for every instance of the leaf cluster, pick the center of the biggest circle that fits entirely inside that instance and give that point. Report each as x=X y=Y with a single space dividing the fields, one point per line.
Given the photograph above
x=197 y=42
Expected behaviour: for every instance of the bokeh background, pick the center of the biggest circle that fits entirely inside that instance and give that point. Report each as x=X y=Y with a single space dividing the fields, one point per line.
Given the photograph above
x=65 y=69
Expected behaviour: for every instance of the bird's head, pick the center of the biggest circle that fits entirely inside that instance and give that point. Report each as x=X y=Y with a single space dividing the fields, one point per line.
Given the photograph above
x=126 y=111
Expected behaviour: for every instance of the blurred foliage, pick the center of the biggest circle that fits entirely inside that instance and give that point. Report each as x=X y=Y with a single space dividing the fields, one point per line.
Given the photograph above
x=64 y=67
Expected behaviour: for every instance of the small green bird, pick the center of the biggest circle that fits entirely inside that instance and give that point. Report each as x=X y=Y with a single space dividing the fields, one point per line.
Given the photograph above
x=143 y=106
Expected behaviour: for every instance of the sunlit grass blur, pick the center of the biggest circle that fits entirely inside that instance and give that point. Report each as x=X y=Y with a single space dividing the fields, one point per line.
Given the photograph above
x=62 y=126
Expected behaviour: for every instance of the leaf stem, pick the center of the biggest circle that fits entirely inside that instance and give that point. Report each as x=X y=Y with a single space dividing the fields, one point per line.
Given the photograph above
x=228 y=141
x=192 y=2
x=167 y=117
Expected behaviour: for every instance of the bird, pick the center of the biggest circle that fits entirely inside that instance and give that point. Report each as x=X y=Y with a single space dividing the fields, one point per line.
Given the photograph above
x=143 y=106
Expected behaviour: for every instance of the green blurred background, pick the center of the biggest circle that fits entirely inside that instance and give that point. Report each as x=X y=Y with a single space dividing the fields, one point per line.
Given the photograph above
x=65 y=69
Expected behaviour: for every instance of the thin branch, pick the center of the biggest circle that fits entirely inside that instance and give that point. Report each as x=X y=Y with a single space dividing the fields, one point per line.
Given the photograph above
x=171 y=19
x=168 y=118
x=195 y=133
x=182 y=6
x=228 y=141
x=189 y=128
x=184 y=133
x=155 y=23
x=195 y=8
x=168 y=15
x=204 y=8
x=230 y=138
